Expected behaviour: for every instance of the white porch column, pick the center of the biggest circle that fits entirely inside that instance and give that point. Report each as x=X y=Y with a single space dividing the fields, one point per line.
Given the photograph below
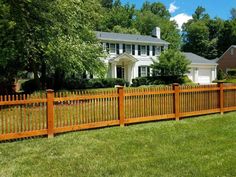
x=113 y=70
x=213 y=74
x=129 y=73
x=132 y=71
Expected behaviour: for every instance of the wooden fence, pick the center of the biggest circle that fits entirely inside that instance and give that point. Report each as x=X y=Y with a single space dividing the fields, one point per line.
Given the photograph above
x=49 y=113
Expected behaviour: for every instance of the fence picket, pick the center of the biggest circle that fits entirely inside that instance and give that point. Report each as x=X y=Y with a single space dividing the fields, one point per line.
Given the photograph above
x=23 y=115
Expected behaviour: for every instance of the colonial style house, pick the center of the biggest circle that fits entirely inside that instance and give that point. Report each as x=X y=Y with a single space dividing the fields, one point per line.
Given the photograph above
x=130 y=56
x=227 y=62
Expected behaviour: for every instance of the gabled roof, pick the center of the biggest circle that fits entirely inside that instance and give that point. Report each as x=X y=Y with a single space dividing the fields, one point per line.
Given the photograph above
x=119 y=37
x=234 y=46
x=123 y=55
x=196 y=59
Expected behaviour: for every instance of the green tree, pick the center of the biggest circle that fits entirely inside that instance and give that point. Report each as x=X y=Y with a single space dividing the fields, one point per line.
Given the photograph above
x=107 y=3
x=200 y=14
x=119 y=29
x=195 y=38
x=156 y=8
x=233 y=13
x=49 y=36
x=201 y=34
x=146 y=21
x=117 y=3
x=117 y=16
x=227 y=36
x=171 y=63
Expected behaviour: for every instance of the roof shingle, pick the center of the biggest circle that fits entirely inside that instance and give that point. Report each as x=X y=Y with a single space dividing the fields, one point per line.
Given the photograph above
x=128 y=38
x=196 y=59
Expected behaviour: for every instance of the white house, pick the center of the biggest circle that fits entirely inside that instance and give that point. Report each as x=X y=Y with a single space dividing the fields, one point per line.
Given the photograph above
x=130 y=56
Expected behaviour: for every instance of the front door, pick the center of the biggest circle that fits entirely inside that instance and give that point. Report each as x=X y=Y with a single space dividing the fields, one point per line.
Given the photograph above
x=120 y=72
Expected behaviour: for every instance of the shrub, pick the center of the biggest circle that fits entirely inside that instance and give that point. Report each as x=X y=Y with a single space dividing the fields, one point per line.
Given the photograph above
x=221 y=75
x=31 y=86
x=160 y=80
x=140 y=81
x=5 y=88
x=105 y=83
x=72 y=84
x=75 y=83
x=232 y=73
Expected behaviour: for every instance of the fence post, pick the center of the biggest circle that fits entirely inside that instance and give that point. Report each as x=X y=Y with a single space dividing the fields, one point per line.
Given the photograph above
x=176 y=100
x=50 y=113
x=221 y=86
x=121 y=112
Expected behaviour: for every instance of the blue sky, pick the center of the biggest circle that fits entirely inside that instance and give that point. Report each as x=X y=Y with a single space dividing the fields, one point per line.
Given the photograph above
x=181 y=10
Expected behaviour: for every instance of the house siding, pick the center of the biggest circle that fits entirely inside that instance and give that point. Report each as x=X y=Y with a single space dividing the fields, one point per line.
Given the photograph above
x=228 y=61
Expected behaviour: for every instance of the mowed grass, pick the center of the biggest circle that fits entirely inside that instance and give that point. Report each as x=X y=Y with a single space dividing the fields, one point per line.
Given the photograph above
x=203 y=146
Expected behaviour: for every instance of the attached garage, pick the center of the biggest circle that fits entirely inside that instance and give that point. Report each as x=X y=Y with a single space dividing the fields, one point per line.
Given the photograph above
x=203 y=71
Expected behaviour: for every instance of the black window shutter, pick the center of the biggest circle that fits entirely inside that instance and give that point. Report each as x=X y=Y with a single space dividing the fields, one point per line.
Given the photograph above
x=148 y=50
x=153 y=51
x=148 y=71
x=139 y=50
x=139 y=71
x=117 y=49
x=162 y=48
x=107 y=47
x=123 y=48
x=133 y=49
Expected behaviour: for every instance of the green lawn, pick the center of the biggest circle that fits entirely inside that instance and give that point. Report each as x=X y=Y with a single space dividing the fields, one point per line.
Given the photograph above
x=204 y=146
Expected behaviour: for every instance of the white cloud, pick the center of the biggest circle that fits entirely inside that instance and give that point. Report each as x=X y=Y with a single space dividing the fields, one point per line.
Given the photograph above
x=172 y=7
x=181 y=19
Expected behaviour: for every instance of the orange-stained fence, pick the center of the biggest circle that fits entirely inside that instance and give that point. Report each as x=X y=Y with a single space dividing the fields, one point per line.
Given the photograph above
x=49 y=113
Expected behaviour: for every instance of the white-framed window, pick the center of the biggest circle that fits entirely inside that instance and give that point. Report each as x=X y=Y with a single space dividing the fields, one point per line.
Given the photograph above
x=112 y=48
x=143 y=50
x=143 y=71
x=128 y=48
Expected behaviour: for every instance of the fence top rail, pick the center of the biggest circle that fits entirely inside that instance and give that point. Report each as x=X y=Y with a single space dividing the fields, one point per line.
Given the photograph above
x=182 y=87
x=85 y=97
x=199 y=90
x=150 y=93
x=148 y=89
x=94 y=92
x=23 y=96
x=22 y=102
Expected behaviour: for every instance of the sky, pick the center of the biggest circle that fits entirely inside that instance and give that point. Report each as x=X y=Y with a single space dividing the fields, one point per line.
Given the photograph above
x=182 y=10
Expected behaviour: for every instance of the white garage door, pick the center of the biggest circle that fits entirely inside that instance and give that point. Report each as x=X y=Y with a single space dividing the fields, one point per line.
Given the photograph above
x=204 y=76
